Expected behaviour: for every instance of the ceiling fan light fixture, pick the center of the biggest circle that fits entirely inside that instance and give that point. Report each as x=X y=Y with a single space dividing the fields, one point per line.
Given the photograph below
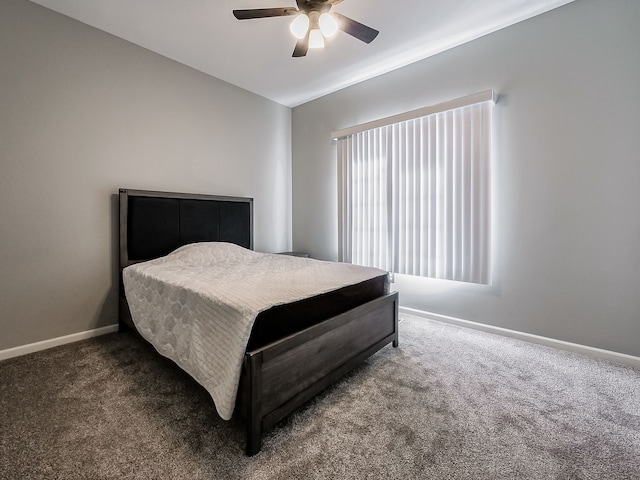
x=299 y=26
x=316 y=40
x=328 y=25
x=312 y=23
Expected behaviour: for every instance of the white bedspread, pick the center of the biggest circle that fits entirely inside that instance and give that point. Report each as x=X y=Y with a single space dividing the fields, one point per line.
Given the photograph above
x=197 y=305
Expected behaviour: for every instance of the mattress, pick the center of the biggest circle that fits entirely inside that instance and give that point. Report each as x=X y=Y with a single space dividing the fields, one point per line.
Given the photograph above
x=282 y=320
x=198 y=305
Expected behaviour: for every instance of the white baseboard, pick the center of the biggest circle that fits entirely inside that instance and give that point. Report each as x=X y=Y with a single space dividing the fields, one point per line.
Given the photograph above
x=54 y=342
x=505 y=332
x=528 y=337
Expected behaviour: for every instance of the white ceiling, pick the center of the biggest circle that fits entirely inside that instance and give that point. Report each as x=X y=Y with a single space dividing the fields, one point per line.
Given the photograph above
x=256 y=54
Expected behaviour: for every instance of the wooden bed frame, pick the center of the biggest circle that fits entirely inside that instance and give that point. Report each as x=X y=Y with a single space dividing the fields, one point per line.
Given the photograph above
x=279 y=377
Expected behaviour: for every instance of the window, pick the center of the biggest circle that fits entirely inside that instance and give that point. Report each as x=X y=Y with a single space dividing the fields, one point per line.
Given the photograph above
x=414 y=191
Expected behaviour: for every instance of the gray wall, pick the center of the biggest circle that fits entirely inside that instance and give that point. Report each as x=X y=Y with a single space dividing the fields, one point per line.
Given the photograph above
x=567 y=171
x=83 y=113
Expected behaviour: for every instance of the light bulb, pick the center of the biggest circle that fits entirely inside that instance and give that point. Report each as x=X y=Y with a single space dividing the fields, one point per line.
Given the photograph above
x=299 y=26
x=315 y=39
x=328 y=25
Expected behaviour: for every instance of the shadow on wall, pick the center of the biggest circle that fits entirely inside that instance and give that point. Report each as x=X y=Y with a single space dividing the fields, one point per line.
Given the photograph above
x=107 y=312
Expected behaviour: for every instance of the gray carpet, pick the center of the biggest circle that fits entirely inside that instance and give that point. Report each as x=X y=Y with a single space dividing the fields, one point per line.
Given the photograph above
x=450 y=403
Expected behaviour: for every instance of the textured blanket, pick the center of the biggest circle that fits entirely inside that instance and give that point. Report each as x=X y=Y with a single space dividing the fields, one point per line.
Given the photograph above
x=198 y=304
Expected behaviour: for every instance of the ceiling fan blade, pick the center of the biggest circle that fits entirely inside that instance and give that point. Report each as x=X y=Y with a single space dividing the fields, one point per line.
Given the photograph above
x=355 y=29
x=264 y=13
x=302 y=46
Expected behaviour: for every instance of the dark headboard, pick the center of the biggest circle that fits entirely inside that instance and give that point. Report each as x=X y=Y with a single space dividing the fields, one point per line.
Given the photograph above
x=153 y=224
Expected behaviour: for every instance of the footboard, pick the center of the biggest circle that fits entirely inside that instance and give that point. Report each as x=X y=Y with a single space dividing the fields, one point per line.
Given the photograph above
x=281 y=376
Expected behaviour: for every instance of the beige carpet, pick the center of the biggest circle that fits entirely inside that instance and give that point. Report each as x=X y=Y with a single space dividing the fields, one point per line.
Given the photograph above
x=450 y=403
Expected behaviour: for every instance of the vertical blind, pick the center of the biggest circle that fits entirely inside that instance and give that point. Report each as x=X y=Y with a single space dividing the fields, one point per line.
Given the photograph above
x=414 y=193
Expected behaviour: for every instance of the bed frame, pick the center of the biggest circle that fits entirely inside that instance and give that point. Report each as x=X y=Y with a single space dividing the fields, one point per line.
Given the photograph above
x=277 y=378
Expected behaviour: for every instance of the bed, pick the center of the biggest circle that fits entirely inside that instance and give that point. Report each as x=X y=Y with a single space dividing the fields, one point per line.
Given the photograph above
x=293 y=348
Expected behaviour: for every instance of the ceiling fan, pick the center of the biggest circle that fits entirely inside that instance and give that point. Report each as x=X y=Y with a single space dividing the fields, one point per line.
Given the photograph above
x=313 y=22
